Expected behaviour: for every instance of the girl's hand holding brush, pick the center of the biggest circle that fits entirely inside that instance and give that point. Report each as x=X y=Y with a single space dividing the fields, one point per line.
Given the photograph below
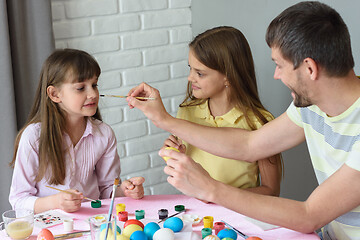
x=69 y=202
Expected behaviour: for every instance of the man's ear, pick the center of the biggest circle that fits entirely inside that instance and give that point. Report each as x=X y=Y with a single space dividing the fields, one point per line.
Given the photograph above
x=53 y=94
x=312 y=68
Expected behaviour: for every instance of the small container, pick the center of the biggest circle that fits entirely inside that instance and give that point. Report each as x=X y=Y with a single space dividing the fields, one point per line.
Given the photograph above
x=163 y=213
x=205 y=232
x=96 y=204
x=99 y=226
x=218 y=226
x=18 y=223
x=139 y=214
x=123 y=216
x=68 y=225
x=120 y=207
x=179 y=208
x=208 y=222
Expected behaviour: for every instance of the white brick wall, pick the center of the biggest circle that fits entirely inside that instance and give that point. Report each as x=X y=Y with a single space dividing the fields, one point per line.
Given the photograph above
x=134 y=41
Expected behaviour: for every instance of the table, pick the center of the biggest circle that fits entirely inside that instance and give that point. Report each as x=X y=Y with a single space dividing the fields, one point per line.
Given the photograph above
x=152 y=203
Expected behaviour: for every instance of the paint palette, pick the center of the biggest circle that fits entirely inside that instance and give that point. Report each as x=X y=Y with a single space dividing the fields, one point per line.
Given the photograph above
x=48 y=219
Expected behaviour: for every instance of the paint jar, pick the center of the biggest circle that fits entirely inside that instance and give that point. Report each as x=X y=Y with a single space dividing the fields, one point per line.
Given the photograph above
x=218 y=226
x=208 y=222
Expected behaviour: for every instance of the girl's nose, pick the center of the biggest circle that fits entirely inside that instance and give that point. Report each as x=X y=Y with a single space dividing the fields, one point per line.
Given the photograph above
x=93 y=93
x=190 y=77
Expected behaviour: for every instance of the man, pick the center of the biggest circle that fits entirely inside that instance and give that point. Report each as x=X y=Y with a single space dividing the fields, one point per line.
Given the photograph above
x=311 y=47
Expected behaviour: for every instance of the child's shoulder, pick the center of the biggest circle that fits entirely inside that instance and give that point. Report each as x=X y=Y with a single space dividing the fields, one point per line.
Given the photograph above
x=31 y=132
x=33 y=129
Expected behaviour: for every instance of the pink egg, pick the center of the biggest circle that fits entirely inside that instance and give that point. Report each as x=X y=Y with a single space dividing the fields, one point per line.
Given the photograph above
x=45 y=234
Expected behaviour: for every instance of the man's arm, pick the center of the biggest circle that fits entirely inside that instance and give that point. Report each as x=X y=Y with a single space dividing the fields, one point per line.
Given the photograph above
x=338 y=195
x=274 y=137
x=333 y=198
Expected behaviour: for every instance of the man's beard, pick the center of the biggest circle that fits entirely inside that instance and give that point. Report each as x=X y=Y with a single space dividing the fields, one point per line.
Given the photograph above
x=301 y=101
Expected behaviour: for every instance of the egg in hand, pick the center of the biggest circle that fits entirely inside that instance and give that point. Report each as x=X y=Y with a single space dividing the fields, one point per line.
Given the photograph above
x=170 y=148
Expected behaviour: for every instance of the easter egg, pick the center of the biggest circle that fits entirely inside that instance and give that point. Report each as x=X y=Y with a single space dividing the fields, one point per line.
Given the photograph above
x=138 y=235
x=254 y=238
x=171 y=148
x=134 y=221
x=227 y=238
x=164 y=234
x=211 y=237
x=45 y=234
x=109 y=236
x=103 y=226
x=150 y=229
x=174 y=223
x=122 y=237
x=129 y=229
x=227 y=233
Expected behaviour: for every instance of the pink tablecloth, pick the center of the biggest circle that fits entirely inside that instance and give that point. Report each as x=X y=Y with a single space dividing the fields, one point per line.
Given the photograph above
x=151 y=205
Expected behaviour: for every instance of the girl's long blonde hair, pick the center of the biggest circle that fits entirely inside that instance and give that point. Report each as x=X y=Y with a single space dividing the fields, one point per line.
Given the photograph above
x=226 y=50
x=52 y=118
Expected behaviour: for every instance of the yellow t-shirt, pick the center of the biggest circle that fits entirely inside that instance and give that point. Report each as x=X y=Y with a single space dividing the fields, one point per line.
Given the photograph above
x=232 y=172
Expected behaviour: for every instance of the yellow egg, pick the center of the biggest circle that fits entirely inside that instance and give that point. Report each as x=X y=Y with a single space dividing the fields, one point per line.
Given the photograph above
x=110 y=235
x=122 y=237
x=129 y=229
x=171 y=148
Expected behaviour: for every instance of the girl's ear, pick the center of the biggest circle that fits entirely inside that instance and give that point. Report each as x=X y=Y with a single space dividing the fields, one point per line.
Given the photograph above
x=226 y=82
x=53 y=94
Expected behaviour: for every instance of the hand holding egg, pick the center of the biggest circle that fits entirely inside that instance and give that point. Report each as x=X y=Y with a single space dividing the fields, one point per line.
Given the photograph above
x=170 y=148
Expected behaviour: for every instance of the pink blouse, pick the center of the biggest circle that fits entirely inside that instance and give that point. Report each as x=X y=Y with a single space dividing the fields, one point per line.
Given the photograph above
x=92 y=165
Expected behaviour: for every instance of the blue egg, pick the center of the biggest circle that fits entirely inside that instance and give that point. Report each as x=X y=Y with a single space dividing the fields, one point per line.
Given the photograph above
x=138 y=235
x=150 y=229
x=227 y=233
x=103 y=226
x=174 y=223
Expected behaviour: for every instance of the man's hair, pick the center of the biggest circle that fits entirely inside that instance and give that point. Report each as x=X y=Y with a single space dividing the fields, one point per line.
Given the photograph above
x=314 y=30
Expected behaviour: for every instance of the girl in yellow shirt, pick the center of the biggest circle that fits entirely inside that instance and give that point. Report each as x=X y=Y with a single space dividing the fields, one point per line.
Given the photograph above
x=222 y=92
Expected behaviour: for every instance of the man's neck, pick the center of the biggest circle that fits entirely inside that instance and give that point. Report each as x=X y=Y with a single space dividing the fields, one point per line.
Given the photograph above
x=339 y=95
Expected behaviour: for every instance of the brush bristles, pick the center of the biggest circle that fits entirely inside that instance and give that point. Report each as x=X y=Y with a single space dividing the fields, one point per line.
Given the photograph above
x=116 y=181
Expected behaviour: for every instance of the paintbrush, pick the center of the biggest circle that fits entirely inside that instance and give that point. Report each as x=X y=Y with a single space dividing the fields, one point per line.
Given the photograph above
x=116 y=183
x=240 y=233
x=171 y=216
x=119 y=96
x=69 y=192
x=72 y=235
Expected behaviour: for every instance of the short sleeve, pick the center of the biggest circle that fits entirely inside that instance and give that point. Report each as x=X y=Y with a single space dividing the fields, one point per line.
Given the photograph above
x=294 y=114
x=181 y=113
x=353 y=159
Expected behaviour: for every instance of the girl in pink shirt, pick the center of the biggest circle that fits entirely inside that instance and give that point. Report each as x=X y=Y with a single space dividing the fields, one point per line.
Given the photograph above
x=64 y=143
